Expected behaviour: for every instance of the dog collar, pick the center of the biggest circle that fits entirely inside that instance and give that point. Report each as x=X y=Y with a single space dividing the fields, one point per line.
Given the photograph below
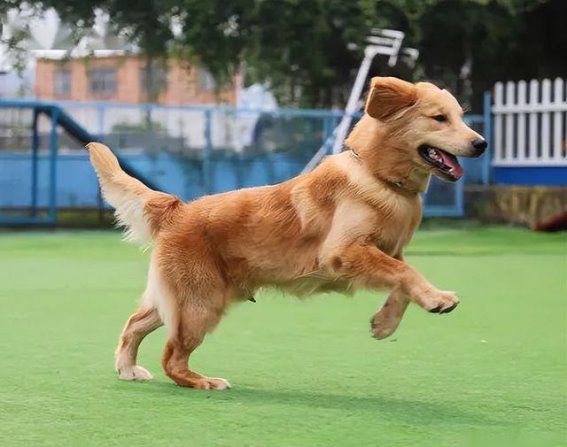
x=391 y=182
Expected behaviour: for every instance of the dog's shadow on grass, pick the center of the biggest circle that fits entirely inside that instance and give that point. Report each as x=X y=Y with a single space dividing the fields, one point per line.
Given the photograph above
x=383 y=404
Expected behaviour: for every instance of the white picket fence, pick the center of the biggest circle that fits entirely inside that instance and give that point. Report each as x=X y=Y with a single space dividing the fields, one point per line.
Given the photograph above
x=530 y=123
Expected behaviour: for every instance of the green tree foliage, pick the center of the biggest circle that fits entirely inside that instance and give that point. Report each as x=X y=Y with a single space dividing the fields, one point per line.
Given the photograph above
x=303 y=48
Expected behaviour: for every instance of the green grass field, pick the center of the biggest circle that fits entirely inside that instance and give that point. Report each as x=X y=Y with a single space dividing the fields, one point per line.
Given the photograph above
x=492 y=373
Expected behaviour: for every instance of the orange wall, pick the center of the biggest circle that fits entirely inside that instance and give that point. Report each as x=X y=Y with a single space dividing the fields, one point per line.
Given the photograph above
x=182 y=82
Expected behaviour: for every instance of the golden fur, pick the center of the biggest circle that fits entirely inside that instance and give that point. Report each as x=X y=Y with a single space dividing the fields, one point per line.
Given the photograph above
x=341 y=227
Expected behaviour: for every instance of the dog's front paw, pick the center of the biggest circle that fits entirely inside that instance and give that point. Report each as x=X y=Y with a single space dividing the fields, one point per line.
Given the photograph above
x=384 y=322
x=382 y=327
x=443 y=302
x=437 y=301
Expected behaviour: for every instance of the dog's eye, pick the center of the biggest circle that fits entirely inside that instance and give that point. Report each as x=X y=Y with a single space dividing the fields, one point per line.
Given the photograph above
x=440 y=118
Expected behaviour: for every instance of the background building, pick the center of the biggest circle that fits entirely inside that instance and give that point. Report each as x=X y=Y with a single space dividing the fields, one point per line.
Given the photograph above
x=128 y=79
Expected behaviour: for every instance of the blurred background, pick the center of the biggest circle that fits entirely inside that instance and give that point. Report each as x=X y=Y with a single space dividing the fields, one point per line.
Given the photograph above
x=199 y=97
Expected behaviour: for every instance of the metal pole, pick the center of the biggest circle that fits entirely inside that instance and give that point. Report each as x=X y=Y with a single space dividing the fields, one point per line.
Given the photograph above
x=34 y=173
x=100 y=109
x=339 y=134
x=207 y=153
x=460 y=193
x=328 y=126
x=319 y=154
x=53 y=166
x=488 y=136
x=100 y=112
x=352 y=104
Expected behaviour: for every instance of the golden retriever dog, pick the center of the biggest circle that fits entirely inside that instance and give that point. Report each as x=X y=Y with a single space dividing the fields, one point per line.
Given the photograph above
x=341 y=227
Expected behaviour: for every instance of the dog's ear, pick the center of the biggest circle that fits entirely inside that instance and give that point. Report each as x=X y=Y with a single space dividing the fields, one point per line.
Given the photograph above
x=388 y=96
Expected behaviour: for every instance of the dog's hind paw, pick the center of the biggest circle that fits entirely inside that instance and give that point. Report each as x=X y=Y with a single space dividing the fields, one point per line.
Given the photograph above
x=216 y=383
x=211 y=383
x=134 y=372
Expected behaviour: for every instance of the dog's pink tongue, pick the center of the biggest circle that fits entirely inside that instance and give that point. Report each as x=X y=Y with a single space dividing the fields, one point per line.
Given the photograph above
x=452 y=162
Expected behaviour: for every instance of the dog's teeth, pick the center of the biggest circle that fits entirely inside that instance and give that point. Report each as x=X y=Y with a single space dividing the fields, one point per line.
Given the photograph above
x=432 y=153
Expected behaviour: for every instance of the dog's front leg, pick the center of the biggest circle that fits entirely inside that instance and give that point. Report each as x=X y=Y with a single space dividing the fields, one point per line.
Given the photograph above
x=366 y=265
x=385 y=322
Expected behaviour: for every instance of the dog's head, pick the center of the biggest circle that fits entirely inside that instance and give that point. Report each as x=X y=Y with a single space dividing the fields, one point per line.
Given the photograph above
x=426 y=123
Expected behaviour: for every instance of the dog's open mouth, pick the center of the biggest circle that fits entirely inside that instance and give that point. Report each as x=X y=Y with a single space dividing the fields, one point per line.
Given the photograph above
x=445 y=164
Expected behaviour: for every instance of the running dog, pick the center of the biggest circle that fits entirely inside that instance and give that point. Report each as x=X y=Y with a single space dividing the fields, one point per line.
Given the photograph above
x=341 y=227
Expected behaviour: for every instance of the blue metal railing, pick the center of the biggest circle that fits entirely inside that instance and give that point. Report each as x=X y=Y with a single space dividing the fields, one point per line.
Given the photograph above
x=58 y=118
x=205 y=161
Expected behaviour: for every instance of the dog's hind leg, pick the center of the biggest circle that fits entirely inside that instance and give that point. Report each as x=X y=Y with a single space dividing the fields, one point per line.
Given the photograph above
x=141 y=323
x=195 y=320
x=386 y=320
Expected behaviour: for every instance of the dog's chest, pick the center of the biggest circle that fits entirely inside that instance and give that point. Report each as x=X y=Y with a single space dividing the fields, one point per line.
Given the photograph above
x=392 y=244
x=396 y=225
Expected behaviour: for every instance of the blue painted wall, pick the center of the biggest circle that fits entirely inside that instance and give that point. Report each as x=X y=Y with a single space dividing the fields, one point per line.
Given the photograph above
x=542 y=176
x=77 y=185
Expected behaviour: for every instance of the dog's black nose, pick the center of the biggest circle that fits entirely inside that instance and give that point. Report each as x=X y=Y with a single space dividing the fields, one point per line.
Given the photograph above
x=480 y=145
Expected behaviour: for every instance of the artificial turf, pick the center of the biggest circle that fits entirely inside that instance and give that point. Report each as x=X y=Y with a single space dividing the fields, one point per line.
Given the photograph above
x=492 y=373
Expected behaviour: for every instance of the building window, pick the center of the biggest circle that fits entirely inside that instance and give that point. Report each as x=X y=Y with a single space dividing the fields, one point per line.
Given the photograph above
x=62 y=82
x=102 y=81
x=205 y=80
x=153 y=80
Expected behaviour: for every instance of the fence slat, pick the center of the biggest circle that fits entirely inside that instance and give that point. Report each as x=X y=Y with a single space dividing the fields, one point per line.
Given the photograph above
x=498 y=102
x=545 y=121
x=533 y=127
x=558 y=131
x=509 y=135
x=532 y=108
x=521 y=131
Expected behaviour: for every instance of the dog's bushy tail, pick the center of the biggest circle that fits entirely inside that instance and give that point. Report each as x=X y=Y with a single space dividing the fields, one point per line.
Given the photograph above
x=141 y=210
